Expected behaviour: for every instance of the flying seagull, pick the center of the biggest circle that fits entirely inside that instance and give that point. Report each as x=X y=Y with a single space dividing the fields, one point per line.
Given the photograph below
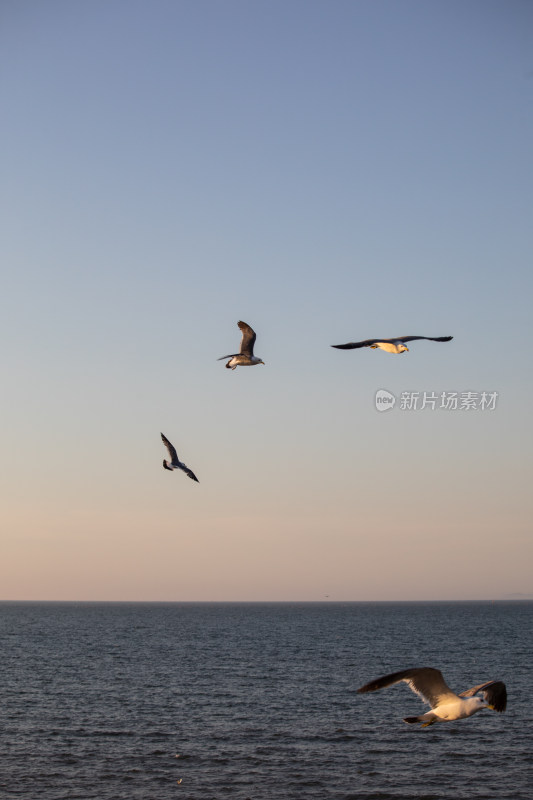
x=446 y=706
x=390 y=345
x=175 y=463
x=246 y=356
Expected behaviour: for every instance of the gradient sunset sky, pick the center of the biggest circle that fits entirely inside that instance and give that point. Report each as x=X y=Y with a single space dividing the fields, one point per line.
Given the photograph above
x=327 y=172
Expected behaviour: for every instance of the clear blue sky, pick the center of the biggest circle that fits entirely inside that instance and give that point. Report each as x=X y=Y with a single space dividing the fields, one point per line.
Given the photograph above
x=327 y=172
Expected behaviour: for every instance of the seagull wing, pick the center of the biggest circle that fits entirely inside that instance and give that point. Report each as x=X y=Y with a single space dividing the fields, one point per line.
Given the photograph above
x=171 y=449
x=365 y=343
x=231 y=355
x=189 y=472
x=494 y=693
x=370 y=342
x=426 y=682
x=430 y=338
x=248 y=339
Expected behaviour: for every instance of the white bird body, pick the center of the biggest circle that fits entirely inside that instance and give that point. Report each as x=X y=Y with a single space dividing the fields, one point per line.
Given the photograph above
x=242 y=361
x=390 y=347
x=455 y=709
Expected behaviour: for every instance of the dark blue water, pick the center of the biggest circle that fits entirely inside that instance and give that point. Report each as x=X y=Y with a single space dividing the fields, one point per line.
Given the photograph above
x=121 y=701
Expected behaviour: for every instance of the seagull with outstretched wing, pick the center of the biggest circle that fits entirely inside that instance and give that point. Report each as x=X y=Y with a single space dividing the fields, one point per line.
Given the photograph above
x=390 y=345
x=174 y=462
x=245 y=357
x=446 y=706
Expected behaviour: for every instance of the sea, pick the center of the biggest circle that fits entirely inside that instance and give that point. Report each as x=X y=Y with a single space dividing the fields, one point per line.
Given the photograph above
x=197 y=701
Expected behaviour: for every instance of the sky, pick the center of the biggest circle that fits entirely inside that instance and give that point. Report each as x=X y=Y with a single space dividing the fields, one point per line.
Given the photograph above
x=326 y=172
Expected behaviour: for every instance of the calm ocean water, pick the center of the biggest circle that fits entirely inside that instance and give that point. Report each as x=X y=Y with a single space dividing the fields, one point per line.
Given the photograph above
x=98 y=700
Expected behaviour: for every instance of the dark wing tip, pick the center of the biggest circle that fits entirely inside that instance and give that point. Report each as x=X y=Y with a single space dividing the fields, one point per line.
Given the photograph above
x=354 y=345
x=396 y=677
x=496 y=695
x=382 y=683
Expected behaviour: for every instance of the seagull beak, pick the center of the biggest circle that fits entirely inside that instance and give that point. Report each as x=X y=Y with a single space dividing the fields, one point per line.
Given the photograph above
x=491 y=707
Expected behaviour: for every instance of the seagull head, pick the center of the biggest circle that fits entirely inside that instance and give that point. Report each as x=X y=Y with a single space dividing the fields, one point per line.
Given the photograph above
x=399 y=346
x=476 y=704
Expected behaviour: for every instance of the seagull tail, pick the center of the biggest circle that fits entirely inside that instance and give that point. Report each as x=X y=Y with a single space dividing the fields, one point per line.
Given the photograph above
x=165 y=465
x=426 y=719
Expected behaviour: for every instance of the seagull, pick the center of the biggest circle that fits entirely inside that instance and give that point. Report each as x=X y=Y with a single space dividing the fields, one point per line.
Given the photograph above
x=390 y=345
x=446 y=706
x=175 y=463
x=246 y=356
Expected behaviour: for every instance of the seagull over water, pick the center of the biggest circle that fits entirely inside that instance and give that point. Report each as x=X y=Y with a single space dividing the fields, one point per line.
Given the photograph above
x=390 y=345
x=446 y=706
x=246 y=356
x=175 y=463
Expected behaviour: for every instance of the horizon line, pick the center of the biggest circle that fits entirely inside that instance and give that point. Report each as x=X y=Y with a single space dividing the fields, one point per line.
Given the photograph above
x=326 y=600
